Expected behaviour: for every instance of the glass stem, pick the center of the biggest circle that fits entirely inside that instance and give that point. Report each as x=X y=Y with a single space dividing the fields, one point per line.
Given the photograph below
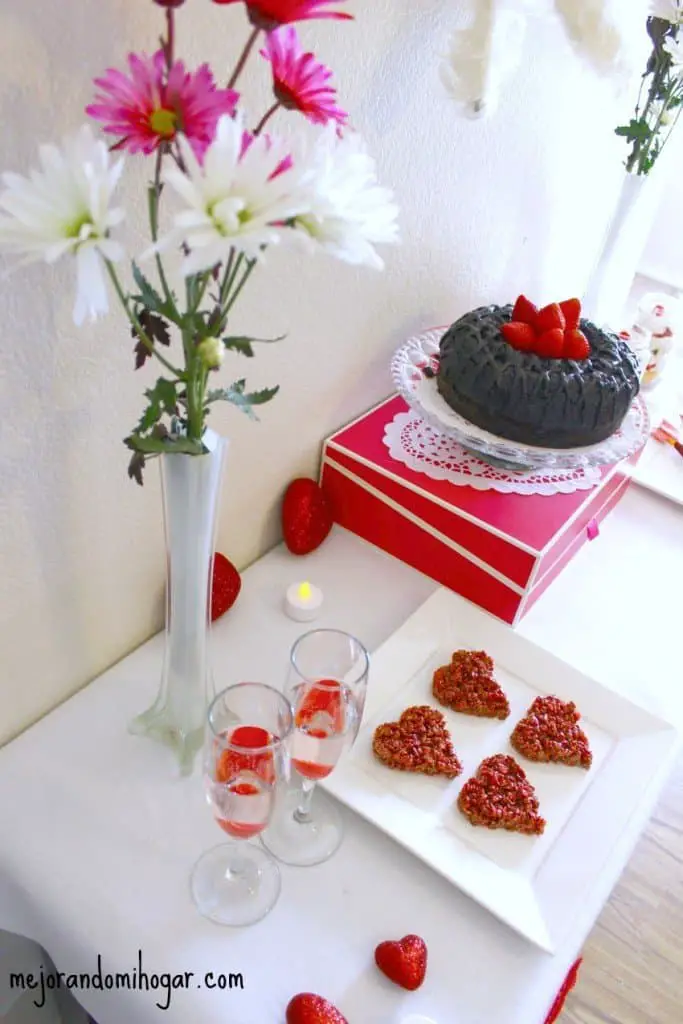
x=302 y=814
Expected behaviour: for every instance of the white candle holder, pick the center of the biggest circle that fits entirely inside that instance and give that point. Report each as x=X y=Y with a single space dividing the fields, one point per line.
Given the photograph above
x=303 y=601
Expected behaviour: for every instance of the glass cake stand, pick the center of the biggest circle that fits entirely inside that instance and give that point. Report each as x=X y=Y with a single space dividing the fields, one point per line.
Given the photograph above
x=413 y=370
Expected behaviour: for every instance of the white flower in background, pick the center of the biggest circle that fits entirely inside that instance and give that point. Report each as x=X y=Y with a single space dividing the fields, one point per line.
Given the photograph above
x=607 y=33
x=237 y=198
x=483 y=56
x=64 y=209
x=348 y=212
x=669 y=10
x=674 y=47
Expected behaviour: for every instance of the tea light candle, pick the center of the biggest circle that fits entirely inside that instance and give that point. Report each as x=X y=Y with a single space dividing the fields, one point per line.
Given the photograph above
x=303 y=601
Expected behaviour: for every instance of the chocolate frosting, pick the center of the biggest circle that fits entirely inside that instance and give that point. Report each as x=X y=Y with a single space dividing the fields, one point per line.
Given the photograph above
x=554 y=403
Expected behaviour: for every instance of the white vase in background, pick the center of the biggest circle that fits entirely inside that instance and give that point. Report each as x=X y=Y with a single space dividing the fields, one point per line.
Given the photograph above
x=191 y=486
x=612 y=278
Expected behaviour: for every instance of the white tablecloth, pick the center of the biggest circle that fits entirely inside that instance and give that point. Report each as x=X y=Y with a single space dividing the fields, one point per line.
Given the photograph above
x=98 y=837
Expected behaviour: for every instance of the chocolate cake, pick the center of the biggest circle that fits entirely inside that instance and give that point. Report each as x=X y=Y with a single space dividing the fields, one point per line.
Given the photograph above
x=493 y=374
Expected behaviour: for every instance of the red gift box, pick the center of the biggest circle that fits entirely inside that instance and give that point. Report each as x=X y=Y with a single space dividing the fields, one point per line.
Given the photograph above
x=500 y=551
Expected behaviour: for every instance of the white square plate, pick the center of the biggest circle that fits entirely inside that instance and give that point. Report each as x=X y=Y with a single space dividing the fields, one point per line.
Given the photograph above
x=534 y=884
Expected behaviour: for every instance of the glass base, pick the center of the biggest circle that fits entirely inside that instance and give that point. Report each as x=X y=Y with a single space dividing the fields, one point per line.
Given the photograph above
x=235 y=884
x=304 y=841
x=155 y=723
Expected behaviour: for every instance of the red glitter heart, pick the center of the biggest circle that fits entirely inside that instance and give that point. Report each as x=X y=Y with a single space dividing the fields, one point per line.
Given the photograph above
x=404 y=962
x=226 y=584
x=306 y=516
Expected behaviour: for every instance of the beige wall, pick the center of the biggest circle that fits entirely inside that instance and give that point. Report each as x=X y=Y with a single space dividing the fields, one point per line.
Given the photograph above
x=488 y=208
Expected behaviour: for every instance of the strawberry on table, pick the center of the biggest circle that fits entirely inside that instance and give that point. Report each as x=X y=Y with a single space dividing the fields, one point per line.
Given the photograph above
x=549 y=318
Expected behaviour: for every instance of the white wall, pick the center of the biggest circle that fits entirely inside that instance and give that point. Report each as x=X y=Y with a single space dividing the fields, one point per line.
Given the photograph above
x=488 y=209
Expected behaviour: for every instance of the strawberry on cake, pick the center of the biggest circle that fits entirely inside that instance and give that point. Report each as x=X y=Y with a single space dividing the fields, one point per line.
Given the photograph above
x=543 y=377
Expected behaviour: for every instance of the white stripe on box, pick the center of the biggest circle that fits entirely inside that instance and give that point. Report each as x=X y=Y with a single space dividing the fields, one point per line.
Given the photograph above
x=520 y=545
x=411 y=517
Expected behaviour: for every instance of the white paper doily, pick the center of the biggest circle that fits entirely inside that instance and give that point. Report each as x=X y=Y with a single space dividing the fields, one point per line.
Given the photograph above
x=413 y=369
x=422 y=448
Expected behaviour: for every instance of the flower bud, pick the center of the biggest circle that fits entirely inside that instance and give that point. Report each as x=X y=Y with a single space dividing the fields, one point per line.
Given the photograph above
x=169 y=3
x=211 y=352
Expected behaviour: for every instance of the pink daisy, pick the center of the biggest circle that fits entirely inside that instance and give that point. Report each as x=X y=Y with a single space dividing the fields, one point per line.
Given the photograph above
x=268 y=14
x=153 y=104
x=300 y=82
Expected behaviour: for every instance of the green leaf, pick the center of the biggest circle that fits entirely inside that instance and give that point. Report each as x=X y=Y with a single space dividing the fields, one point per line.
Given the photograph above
x=243 y=400
x=148 y=295
x=171 y=445
x=243 y=344
x=162 y=398
x=635 y=130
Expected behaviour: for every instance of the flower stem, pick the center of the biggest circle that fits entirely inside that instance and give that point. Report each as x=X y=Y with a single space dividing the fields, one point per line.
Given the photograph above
x=154 y=195
x=170 y=35
x=139 y=329
x=239 y=68
x=266 y=117
x=235 y=295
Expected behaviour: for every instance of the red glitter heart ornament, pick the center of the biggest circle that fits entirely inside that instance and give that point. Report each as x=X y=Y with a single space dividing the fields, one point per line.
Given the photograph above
x=403 y=962
x=226 y=584
x=307 y=1008
x=306 y=516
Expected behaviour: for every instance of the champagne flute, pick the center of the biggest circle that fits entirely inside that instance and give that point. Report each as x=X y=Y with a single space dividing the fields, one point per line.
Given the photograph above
x=246 y=760
x=326 y=686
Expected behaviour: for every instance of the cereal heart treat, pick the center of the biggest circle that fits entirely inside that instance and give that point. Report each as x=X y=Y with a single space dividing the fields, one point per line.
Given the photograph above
x=467 y=685
x=418 y=742
x=501 y=796
x=550 y=732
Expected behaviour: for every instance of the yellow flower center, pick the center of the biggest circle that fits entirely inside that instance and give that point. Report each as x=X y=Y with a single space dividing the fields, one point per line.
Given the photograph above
x=163 y=122
x=73 y=228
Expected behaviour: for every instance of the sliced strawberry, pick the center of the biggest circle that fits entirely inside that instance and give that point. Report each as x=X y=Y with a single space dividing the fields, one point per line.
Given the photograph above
x=519 y=335
x=549 y=318
x=571 y=309
x=576 y=345
x=551 y=344
x=524 y=311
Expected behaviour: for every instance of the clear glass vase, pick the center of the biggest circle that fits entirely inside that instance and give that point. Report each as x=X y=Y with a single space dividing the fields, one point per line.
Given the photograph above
x=191 y=486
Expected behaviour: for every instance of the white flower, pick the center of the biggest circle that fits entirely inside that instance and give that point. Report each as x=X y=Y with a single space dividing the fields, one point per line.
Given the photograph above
x=659 y=114
x=64 y=208
x=674 y=47
x=668 y=10
x=236 y=198
x=482 y=57
x=347 y=212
